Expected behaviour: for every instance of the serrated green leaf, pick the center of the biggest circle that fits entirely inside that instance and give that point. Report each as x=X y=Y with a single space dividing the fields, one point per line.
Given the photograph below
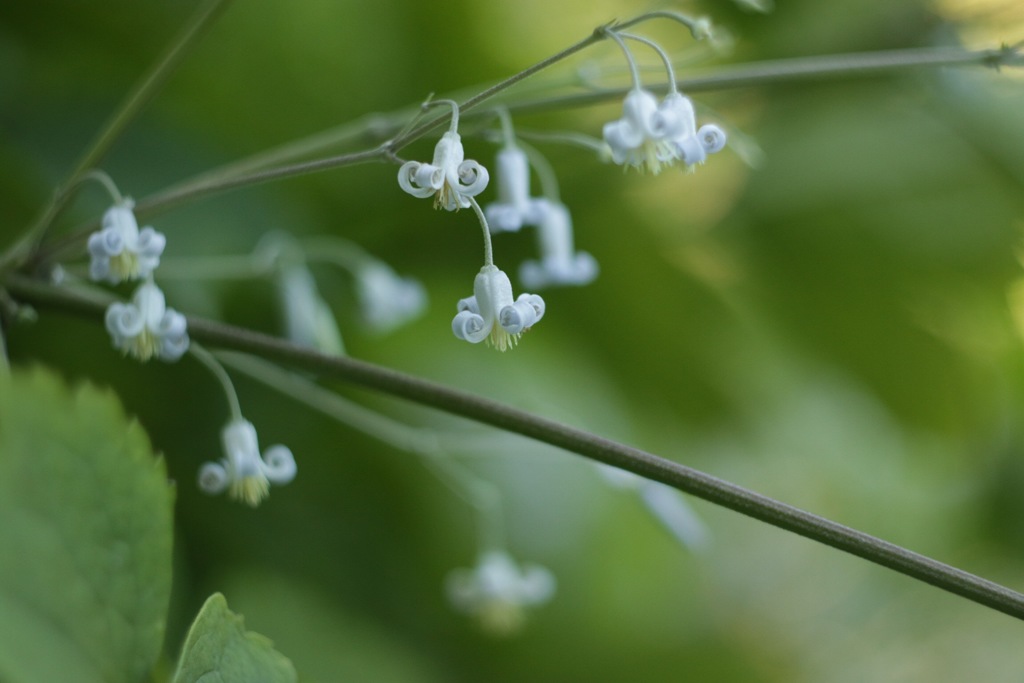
x=218 y=649
x=85 y=536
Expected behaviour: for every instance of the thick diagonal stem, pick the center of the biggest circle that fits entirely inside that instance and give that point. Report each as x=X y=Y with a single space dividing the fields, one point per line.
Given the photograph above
x=487 y=411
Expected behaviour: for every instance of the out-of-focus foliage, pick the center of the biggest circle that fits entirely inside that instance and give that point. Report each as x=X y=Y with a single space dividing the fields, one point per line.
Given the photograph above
x=830 y=326
x=219 y=648
x=85 y=536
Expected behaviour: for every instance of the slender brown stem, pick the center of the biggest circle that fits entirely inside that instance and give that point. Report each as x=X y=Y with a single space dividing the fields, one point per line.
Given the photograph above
x=487 y=411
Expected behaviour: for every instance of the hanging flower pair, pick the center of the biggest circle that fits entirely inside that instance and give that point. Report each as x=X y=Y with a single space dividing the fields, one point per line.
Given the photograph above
x=651 y=135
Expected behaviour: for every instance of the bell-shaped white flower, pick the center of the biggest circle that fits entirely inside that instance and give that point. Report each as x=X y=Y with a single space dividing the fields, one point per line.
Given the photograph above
x=308 y=320
x=559 y=264
x=637 y=139
x=492 y=314
x=388 y=300
x=677 y=123
x=515 y=207
x=146 y=328
x=243 y=472
x=497 y=591
x=451 y=178
x=120 y=251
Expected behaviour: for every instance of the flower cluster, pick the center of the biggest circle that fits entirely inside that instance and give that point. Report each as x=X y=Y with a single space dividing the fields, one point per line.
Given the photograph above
x=651 y=135
x=497 y=591
x=245 y=474
x=143 y=328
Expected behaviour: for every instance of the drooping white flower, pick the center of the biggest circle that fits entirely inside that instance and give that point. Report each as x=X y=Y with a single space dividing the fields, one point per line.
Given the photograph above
x=677 y=122
x=308 y=320
x=388 y=300
x=637 y=139
x=652 y=135
x=146 y=328
x=243 y=472
x=497 y=591
x=515 y=207
x=451 y=178
x=559 y=263
x=120 y=251
x=492 y=314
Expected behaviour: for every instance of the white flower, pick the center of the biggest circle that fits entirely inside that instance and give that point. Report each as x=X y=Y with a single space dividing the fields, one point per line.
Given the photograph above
x=245 y=474
x=451 y=178
x=388 y=300
x=559 y=264
x=308 y=320
x=146 y=327
x=514 y=208
x=677 y=122
x=120 y=251
x=497 y=591
x=637 y=139
x=492 y=314
x=652 y=135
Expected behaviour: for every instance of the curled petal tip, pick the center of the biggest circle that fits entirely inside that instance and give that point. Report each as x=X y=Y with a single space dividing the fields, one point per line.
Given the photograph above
x=712 y=138
x=280 y=464
x=213 y=478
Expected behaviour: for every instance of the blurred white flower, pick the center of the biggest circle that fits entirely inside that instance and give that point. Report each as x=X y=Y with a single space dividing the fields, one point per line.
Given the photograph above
x=308 y=320
x=515 y=207
x=388 y=300
x=559 y=263
x=651 y=136
x=492 y=314
x=120 y=251
x=497 y=591
x=243 y=472
x=146 y=328
x=677 y=122
x=451 y=178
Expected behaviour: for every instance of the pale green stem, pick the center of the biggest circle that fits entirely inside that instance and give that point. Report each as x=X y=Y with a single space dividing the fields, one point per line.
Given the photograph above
x=696 y=26
x=672 y=89
x=634 y=71
x=476 y=492
x=712 y=489
x=227 y=267
x=764 y=73
x=545 y=172
x=508 y=133
x=573 y=138
x=148 y=86
x=488 y=251
x=211 y=363
x=105 y=180
x=453 y=127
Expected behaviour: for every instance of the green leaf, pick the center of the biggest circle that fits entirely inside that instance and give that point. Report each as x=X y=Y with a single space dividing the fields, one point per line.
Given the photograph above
x=85 y=536
x=218 y=649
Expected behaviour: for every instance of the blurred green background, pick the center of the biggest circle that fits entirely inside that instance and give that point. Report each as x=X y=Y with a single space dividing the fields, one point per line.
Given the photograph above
x=833 y=326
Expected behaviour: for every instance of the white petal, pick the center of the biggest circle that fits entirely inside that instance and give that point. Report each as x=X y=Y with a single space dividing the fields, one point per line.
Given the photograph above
x=405 y=177
x=123 y=321
x=470 y=327
x=279 y=464
x=213 y=478
x=712 y=138
x=471 y=178
x=517 y=317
